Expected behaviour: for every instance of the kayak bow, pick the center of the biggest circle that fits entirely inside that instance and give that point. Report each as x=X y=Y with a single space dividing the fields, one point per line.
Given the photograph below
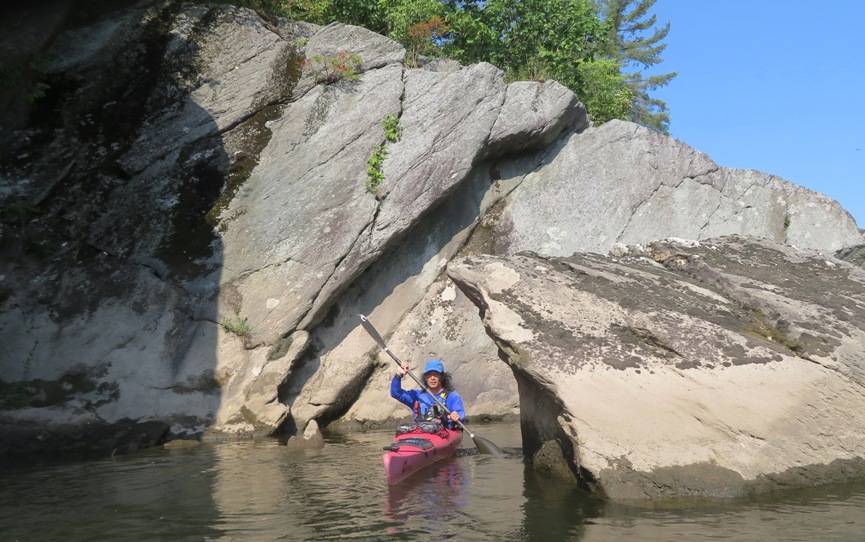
x=411 y=451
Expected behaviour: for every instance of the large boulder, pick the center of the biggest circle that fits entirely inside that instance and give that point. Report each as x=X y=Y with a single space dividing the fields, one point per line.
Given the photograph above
x=721 y=368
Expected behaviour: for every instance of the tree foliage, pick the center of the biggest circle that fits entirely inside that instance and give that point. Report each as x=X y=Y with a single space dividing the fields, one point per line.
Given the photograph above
x=636 y=43
x=423 y=39
x=585 y=45
x=605 y=93
x=563 y=40
x=401 y=15
x=526 y=38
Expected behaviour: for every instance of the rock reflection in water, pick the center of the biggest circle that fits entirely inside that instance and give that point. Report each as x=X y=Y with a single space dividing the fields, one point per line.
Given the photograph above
x=263 y=492
x=153 y=495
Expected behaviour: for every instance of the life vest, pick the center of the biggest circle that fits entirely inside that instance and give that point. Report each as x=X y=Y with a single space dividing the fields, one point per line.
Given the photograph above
x=433 y=412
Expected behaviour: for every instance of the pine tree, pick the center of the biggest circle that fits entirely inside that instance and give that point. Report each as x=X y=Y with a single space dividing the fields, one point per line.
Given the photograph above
x=629 y=44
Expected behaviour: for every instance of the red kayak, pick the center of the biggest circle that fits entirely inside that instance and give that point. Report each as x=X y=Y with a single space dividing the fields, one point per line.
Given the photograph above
x=417 y=446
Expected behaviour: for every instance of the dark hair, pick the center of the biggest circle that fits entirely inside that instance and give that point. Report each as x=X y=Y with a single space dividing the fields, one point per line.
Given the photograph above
x=446 y=382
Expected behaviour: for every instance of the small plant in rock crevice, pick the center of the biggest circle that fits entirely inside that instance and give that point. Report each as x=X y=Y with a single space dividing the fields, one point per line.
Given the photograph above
x=239 y=326
x=392 y=133
x=28 y=73
x=374 y=175
x=392 y=128
x=333 y=68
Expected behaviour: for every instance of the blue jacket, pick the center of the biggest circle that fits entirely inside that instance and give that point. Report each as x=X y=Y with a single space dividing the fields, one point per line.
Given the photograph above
x=451 y=400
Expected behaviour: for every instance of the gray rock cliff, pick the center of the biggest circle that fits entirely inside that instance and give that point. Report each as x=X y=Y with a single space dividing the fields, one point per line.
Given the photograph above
x=188 y=236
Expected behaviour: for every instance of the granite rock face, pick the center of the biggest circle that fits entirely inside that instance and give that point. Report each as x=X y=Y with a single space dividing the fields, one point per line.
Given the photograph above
x=623 y=183
x=188 y=215
x=721 y=368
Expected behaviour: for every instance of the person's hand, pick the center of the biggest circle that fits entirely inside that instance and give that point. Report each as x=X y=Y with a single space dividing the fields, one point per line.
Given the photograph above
x=402 y=370
x=454 y=416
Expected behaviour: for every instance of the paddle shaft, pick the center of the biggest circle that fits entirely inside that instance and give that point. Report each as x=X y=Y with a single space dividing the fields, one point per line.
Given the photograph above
x=367 y=325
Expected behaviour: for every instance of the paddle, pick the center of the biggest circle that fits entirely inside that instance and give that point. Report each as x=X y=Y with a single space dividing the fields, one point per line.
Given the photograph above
x=484 y=446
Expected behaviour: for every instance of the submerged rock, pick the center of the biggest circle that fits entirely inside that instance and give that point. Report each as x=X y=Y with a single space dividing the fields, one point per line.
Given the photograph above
x=181 y=443
x=311 y=439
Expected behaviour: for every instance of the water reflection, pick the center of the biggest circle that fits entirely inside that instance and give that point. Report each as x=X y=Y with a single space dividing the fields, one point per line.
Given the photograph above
x=249 y=490
x=827 y=513
x=555 y=510
x=151 y=496
x=263 y=491
x=438 y=487
x=432 y=496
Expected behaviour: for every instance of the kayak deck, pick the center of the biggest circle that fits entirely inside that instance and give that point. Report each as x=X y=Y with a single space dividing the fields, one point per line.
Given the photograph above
x=413 y=450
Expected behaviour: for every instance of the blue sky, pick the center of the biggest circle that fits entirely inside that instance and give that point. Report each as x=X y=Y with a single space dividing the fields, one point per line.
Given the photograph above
x=772 y=85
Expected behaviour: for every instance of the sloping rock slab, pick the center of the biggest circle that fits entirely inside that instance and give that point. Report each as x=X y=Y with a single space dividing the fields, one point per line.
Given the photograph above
x=621 y=182
x=680 y=369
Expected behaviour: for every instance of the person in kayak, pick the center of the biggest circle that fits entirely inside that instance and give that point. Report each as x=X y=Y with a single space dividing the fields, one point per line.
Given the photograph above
x=422 y=404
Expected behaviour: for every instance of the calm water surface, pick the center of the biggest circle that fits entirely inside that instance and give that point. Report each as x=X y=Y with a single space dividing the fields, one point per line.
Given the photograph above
x=262 y=491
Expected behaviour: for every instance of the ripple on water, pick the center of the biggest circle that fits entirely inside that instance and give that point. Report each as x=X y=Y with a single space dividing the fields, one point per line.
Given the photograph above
x=263 y=491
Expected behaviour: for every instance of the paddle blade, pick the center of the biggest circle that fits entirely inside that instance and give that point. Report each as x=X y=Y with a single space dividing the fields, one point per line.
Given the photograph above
x=367 y=325
x=486 y=447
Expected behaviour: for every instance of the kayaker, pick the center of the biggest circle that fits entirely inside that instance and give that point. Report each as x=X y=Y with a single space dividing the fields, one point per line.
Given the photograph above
x=422 y=404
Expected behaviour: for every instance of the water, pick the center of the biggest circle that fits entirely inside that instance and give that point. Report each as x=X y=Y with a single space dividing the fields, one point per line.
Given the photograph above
x=262 y=491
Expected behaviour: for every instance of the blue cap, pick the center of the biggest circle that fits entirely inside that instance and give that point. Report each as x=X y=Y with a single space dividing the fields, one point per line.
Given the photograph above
x=434 y=365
